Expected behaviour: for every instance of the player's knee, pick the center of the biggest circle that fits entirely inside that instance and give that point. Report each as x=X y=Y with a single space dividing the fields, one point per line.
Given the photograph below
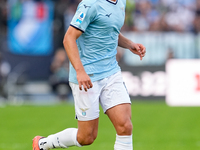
x=125 y=129
x=88 y=140
x=129 y=127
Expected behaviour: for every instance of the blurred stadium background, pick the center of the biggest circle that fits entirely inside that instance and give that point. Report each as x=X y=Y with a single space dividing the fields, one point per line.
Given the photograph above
x=34 y=70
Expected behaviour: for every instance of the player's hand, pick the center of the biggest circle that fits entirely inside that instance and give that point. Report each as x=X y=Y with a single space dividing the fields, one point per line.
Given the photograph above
x=84 y=80
x=138 y=49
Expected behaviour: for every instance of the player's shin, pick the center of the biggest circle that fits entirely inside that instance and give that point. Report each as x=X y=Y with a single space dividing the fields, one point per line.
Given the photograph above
x=123 y=143
x=63 y=139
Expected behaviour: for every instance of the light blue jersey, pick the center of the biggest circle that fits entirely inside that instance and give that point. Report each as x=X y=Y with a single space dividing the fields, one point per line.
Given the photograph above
x=100 y=21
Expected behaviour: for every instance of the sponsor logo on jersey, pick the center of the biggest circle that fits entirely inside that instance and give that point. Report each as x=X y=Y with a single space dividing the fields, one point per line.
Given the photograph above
x=108 y=15
x=87 y=6
x=81 y=17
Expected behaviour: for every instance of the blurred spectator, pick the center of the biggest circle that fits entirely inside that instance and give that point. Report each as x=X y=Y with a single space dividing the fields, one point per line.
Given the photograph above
x=196 y=22
x=141 y=15
x=60 y=71
x=164 y=15
x=179 y=18
x=59 y=29
x=3 y=17
x=63 y=11
x=5 y=69
x=68 y=15
x=129 y=19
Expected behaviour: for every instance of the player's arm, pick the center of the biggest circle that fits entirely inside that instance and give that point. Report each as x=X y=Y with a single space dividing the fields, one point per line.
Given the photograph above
x=71 y=48
x=135 y=48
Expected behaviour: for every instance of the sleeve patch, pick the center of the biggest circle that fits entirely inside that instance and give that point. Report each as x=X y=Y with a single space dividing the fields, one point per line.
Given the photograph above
x=81 y=17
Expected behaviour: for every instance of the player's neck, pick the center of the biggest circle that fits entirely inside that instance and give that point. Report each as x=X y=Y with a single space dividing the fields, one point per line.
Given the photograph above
x=112 y=0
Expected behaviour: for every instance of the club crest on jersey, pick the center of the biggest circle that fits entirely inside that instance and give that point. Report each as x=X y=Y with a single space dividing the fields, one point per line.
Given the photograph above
x=80 y=17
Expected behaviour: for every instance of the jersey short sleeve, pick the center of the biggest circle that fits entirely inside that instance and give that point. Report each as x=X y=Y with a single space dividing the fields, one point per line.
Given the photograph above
x=84 y=15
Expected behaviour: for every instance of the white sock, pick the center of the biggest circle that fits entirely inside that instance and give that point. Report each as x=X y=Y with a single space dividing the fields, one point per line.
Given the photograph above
x=123 y=143
x=63 y=139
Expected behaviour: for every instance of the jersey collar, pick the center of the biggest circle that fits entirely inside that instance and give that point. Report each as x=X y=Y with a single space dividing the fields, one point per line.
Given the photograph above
x=112 y=2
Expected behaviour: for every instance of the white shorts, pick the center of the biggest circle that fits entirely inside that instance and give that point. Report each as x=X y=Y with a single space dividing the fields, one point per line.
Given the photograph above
x=109 y=92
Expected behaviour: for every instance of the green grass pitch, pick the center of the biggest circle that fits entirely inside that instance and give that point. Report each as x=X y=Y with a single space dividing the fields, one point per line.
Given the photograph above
x=156 y=126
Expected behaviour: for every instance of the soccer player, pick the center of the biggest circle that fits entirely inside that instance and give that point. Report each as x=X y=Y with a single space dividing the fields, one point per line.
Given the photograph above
x=95 y=77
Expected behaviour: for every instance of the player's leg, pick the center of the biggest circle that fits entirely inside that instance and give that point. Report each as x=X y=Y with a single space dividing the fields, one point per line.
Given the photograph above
x=116 y=103
x=87 y=131
x=120 y=116
x=84 y=135
x=87 y=113
x=63 y=139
